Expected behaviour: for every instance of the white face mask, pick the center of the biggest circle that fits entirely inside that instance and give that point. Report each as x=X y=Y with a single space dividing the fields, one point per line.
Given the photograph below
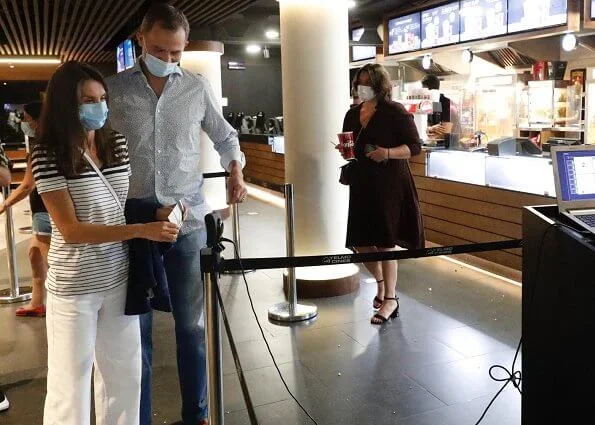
x=159 y=68
x=365 y=93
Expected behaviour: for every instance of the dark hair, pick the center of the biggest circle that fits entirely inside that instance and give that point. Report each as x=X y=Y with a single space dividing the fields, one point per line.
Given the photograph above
x=379 y=79
x=431 y=82
x=33 y=109
x=167 y=16
x=60 y=128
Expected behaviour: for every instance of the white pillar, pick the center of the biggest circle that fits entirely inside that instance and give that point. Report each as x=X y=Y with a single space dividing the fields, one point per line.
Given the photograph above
x=204 y=57
x=315 y=70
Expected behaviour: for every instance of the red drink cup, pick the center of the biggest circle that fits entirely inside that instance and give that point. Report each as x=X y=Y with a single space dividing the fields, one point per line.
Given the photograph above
x=347 y=145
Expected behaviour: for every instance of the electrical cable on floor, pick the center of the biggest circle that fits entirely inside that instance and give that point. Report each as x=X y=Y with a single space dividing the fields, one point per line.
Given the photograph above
x=515 y=376
x=262 y=331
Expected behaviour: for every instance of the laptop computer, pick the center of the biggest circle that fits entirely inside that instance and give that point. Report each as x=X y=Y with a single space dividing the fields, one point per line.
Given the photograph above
x=574 y=176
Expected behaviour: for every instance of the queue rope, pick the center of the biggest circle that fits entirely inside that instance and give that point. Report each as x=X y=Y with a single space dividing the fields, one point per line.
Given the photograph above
x=325 y=260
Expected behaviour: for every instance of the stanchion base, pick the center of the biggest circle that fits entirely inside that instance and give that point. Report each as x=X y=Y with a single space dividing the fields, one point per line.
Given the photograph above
x=280 y=312
x=237 y=271
x=25 y=295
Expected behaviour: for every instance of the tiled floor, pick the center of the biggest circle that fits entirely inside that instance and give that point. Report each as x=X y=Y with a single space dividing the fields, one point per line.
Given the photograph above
x=428 y=367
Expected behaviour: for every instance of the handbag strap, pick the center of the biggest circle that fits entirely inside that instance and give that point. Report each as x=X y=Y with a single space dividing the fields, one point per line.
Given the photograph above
x=104 y=180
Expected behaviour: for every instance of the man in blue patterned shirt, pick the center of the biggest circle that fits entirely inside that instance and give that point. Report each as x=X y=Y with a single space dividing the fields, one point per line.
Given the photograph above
x=161 y=109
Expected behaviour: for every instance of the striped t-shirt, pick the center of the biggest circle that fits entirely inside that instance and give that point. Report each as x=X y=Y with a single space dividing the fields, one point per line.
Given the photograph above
x=83 y=268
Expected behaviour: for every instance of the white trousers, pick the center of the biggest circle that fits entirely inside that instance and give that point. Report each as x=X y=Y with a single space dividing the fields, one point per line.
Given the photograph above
x=85 y=331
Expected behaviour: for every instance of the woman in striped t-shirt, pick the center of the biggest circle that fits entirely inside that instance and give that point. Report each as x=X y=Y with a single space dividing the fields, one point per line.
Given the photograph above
x=81 y=171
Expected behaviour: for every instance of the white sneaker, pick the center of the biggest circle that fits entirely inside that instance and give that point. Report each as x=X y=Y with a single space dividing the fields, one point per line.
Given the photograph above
x=4 y=404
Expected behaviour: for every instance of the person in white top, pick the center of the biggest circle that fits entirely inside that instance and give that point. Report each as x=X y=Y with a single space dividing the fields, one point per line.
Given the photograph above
x=81 y=171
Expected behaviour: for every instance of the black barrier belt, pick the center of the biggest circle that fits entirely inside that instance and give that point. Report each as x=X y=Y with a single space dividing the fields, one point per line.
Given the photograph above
x=325 y=260
x=214 y=175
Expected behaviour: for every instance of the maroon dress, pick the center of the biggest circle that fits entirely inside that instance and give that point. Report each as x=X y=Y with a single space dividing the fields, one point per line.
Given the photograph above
x=383 y=203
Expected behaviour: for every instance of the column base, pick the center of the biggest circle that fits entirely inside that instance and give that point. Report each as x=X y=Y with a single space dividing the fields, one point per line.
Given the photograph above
x=325 y=281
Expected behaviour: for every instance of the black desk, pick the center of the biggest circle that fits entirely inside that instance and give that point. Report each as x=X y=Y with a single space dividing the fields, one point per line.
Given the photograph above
x=558 y=321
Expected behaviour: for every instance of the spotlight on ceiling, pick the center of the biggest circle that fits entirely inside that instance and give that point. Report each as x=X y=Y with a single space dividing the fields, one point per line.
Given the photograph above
x=569 y=42
x=253 y=49
x=351 y=4
x=426 y=62
x=467 y=55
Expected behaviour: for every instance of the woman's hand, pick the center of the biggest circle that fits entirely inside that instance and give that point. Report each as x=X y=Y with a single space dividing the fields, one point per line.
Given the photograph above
x=160 y=231
x=380 y=154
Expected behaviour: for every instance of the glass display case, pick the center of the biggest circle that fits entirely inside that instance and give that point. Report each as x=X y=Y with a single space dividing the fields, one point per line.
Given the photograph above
x=495 y=106
x=555 y=104
x=526 y=174
x=590 y=112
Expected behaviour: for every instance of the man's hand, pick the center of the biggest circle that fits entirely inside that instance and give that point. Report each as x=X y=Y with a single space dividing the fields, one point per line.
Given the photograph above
x=236 y=188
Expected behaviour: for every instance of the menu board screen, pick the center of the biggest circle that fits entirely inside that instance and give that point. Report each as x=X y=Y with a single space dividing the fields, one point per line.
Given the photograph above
x=440 y=26
x=359 y=53
x=592 y=9
x=530 y=14
x=404 y=33
x=482 y=19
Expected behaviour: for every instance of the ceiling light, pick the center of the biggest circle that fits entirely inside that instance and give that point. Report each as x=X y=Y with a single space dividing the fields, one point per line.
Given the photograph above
x=30 y=60
x=569 y=42
x=11 y=66
x=4 y=83
x=253 y=48
x=272 y=34
x=426 y=62
x=467 y=55
x=351 y=4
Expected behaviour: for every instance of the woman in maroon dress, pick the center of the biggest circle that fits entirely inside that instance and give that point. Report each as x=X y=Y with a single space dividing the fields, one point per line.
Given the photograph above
x=383 y=205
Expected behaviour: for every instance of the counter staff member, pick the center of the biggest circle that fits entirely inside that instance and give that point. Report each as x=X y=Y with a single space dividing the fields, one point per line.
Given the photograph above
x=449 y=122
x=4 y=181
x=161 y=109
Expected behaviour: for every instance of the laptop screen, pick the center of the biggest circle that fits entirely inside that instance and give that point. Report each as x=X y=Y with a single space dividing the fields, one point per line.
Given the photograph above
x=577 y=175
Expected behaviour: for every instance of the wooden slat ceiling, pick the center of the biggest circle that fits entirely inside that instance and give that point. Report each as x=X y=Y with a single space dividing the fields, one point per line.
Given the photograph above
x=81 y=29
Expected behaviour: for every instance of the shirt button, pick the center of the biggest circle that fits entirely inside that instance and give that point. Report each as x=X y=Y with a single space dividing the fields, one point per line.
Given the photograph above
x=158 y=150
x=159 y=172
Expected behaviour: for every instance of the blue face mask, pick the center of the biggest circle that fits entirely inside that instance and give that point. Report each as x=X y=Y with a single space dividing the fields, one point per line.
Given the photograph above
x=159 y=68
x=93 y=115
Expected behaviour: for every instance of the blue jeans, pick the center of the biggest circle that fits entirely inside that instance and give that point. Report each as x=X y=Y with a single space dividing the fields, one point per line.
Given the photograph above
x=186 y=289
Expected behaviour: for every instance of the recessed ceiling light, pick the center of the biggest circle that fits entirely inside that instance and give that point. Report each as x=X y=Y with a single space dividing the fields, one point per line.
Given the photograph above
x=351 y=4
x=253 y=48
x=272 y=34
x=5 y=83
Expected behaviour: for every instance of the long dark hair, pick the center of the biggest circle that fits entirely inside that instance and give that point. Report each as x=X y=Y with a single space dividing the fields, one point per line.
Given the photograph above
x=379 y=79
x=60 y=128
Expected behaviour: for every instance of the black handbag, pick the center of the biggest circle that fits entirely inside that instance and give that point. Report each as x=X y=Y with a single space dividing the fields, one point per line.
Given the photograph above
x=348 y=173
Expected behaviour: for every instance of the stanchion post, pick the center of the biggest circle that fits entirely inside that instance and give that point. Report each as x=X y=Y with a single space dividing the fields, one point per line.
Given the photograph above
x=291 y=311
x=14 y=294
x=213 y=343
x=235 y=217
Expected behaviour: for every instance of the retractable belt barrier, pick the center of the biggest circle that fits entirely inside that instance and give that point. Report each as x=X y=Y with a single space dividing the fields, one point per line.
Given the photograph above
x=212 y=264
x=325 y=260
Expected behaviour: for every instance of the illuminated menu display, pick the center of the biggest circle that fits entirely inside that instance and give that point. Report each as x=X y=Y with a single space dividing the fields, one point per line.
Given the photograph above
x=530 y=14
x=359 y=53
x=592 y=9
x=404 y=33
x=440 y=26
x=482 y=19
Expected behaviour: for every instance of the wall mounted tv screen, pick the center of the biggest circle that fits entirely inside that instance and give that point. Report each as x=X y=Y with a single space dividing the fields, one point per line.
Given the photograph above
x=483 y=19
x=404 y=33
x=592 y=9
x=359 y=53
x=526 y=15
x=125 y=55
x=440 y=26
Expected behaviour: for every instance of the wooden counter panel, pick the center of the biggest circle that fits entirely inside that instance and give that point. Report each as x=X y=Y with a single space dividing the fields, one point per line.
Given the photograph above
x=483 y=208
x=263 y=166
x=464 y=232
x=499 y=257
x=484 y=193
x=502 y=228
x=417 y=169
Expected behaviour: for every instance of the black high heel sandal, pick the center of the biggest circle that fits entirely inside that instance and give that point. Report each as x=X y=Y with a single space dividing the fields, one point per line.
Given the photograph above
x=377 y=302
x=383 y=319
